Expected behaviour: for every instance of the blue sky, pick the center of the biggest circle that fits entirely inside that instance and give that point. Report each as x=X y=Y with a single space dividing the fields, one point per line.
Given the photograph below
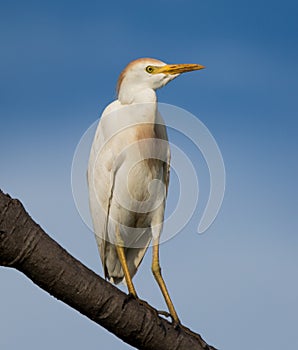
x=236 y=284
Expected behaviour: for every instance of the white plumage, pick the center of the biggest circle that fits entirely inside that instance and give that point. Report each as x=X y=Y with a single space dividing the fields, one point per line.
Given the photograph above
x=128 y=171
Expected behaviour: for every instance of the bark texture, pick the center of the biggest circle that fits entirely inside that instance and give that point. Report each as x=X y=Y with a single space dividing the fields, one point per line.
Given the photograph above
x=26 y=247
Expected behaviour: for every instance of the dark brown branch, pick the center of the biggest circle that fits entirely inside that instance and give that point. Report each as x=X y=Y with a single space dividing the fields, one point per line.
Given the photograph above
x=27 y=248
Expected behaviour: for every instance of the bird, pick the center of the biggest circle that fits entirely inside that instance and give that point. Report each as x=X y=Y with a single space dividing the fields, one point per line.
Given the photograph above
x=128 y=174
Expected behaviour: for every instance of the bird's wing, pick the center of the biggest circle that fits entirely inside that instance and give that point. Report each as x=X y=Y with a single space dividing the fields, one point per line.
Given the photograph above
x=102 y=173
x=161 y=133
x=102 y=176
x=100 y=183
x=105 y=159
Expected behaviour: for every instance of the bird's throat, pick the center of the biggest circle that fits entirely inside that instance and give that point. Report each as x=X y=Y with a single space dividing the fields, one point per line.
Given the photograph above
x=136 y=95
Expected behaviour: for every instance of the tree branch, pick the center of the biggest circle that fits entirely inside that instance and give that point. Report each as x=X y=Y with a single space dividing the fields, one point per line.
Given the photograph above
x=27 y=248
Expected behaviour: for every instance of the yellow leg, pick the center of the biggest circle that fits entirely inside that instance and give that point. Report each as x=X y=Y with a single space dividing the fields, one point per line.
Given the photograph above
x=157 y=274
x=123 y=262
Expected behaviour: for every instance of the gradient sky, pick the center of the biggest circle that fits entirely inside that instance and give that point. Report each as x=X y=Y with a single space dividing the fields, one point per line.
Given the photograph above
x=236 y=285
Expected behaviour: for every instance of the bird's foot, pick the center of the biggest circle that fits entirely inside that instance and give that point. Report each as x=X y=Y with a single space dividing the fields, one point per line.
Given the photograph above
x=164 y=313
x=151 y=308
x=144 y=303
x=132 y=296
x=176 y=323
x=129 y=297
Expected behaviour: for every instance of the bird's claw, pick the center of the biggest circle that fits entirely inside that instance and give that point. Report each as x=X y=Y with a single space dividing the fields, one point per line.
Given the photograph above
x=128 y=298
x=175 y=323
x=164 y=313
x=131 y=296
x=144 y=303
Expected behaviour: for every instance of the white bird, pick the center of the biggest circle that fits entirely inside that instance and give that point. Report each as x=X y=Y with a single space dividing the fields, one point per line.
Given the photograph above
x=128 y=173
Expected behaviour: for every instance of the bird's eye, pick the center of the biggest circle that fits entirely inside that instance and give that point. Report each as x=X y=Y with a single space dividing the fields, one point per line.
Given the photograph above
x=149 y=69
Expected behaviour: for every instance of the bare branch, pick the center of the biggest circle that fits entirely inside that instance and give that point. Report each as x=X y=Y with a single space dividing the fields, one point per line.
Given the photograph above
x=27 y=248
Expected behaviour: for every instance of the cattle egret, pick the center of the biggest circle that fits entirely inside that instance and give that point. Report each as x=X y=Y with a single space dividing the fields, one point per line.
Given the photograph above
x=128 y=173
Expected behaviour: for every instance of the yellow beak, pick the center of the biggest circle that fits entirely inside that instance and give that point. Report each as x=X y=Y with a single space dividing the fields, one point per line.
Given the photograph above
x=177 y=68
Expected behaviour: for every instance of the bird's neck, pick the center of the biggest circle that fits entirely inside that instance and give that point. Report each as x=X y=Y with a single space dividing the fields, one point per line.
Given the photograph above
x=129 y=95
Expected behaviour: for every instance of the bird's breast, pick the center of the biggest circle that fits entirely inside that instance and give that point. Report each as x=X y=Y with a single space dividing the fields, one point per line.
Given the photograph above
x=138 y=192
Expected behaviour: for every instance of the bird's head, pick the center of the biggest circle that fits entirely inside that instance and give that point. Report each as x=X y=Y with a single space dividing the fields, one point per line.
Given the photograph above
x=145 y=74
